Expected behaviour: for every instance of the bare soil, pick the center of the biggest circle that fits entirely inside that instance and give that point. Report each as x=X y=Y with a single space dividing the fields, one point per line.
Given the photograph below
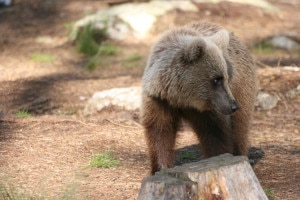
x=47 y=155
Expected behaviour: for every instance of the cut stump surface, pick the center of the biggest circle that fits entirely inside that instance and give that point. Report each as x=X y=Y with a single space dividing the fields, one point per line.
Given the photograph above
x=223 y=177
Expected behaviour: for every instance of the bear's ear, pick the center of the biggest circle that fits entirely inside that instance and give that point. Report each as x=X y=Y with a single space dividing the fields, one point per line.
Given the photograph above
x=221 y=39
x=194 y=50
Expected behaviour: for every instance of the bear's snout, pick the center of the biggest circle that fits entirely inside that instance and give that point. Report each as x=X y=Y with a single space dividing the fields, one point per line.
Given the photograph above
x=225 y=105
x=234 y=106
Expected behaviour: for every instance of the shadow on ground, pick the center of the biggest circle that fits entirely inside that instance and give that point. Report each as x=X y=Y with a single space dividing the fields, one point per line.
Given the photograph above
x=32 y=95
x=192 y=153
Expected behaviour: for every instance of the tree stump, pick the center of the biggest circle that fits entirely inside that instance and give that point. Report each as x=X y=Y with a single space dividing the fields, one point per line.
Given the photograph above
x=223 y=177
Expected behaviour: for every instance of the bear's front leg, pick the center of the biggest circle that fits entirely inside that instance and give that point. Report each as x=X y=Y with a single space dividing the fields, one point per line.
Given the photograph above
x=161 y=124
x=161 y=147
x=214 y=131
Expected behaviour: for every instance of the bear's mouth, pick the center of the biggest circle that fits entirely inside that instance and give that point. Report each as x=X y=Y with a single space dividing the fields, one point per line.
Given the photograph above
x=228 y=110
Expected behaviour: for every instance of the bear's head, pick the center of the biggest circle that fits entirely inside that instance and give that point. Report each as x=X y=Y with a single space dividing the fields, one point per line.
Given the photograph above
x=190 y=70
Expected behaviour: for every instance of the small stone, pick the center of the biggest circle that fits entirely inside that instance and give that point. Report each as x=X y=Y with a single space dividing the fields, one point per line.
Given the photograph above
x=266 y=101
x=293 y=93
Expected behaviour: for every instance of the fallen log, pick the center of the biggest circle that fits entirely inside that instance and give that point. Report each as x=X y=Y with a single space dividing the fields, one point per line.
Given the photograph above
x=223 y=177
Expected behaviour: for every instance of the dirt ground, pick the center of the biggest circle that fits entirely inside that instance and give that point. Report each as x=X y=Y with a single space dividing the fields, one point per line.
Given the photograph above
x=47 y=156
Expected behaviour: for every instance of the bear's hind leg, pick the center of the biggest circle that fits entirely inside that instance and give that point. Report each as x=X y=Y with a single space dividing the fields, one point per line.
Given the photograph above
x=161 y=125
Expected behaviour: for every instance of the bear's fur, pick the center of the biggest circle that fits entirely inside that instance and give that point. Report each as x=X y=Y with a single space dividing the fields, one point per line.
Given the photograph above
x=202 y=74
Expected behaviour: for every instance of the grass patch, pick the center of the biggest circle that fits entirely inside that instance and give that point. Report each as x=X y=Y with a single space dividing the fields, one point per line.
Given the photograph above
x=96 y=61
x=99 y=59
x=104 y=160
x=41 y=57
x=91 y=42
x=69 y=27
x=271 y=194
x=262 y=113
x=23 y=114
x=132 y=61
x=133 y=58
x=89 y=39
x=107 y=49
x=93 y=63
x=264 y=47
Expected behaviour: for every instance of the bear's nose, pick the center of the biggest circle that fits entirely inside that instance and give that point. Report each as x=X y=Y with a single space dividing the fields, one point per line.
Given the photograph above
x=234 y=106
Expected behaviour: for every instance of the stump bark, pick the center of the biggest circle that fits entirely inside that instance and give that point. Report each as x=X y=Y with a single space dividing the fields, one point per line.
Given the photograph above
x=223 y=177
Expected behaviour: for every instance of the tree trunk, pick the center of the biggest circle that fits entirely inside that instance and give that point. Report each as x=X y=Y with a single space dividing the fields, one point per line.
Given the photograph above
x=224 y=177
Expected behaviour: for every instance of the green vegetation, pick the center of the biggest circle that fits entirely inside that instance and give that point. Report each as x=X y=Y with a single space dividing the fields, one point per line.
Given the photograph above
x=264 y=48
x=96 y=61
x=41 y=57
x=91 y=42
x=93 y=63
x=86 y=41
x=69 y=27
x=132 y=61
x=104 y=160
x=107 y=49
x=94 y=45
x=262 y=113
x=271 y=194
x=23 y=113
x=133 y=58
x=100 y=59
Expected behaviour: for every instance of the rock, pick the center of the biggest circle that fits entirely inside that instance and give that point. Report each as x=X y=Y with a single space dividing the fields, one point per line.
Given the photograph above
x=284 y=42
x=136 y=19
x=293 y=93
x=266 y=101
x=131 y=19
x=125 y=98
x=258 y=3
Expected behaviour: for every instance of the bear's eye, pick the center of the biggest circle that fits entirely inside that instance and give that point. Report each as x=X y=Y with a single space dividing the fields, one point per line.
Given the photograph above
x=217 y=81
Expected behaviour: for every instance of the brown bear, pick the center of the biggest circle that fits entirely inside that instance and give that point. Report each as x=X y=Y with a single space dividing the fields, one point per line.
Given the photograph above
x=204 y=75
